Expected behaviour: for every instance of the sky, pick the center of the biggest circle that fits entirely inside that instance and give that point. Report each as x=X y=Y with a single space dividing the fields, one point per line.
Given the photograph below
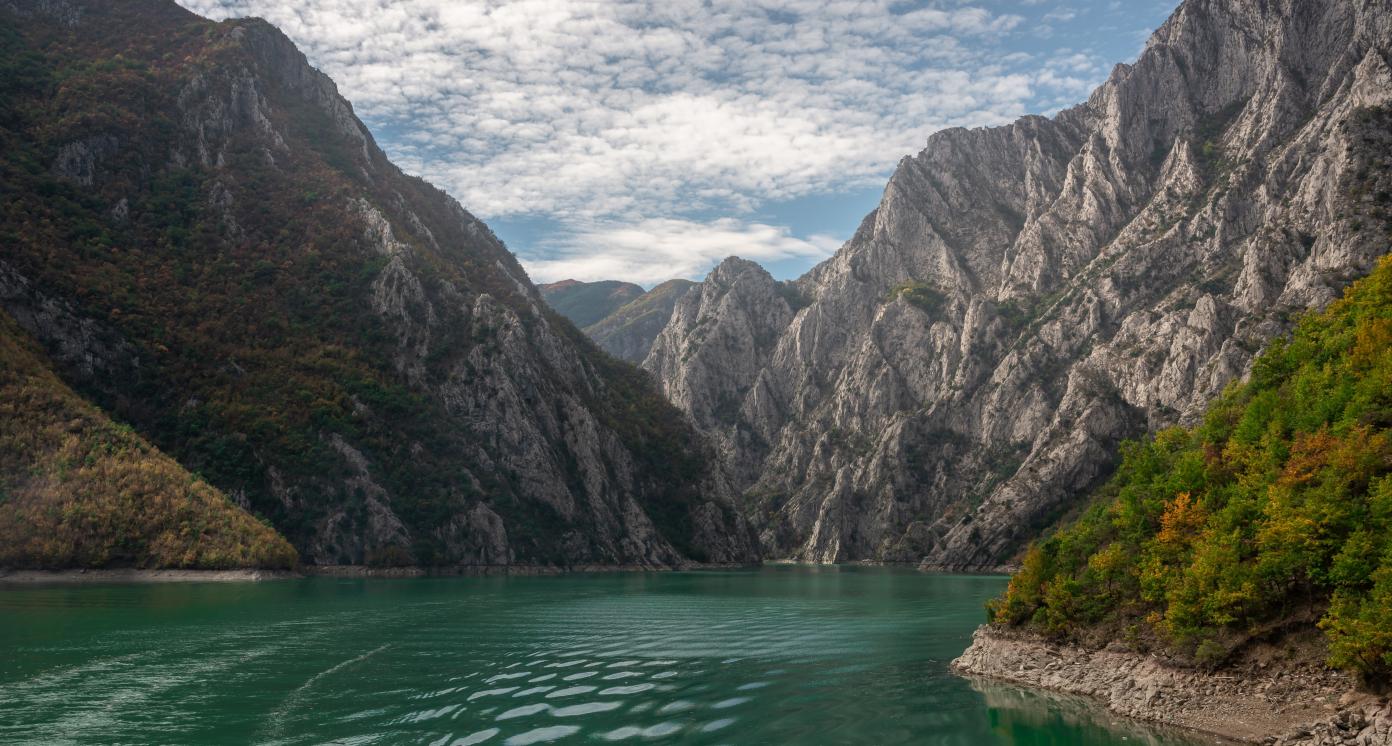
x=642 y=140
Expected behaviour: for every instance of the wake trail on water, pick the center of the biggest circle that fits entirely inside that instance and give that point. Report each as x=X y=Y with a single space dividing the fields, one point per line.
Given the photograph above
x=94 y=698
x=97 y=707
x=276 y=720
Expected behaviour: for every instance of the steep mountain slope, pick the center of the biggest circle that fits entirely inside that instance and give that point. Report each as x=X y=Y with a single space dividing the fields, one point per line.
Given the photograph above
x=629 y=331
x=1274 y=513
x=586 y=303
x=76 y=489
x=716 y=348
x=210 y=245
x=1025 y=297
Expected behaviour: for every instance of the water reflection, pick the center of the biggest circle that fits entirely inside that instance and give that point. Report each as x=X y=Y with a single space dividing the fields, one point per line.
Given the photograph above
x=1040 y=718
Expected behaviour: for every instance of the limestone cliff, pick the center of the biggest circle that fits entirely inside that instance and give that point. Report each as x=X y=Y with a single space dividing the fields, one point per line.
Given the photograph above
x=1025 y=297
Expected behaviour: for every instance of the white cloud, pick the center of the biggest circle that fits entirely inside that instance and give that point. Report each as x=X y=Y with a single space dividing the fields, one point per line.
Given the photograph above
x=640 y=110
x=591 y=109
x=650 y=251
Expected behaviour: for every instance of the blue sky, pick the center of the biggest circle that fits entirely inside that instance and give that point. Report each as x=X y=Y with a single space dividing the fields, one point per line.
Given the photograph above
x=646 y=139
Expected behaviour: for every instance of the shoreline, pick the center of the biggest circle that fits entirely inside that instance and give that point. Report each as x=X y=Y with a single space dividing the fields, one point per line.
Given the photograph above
x=83 y=576
x=1008 y=568
x=80 y=576
x=1268 y=700
x=974 y=570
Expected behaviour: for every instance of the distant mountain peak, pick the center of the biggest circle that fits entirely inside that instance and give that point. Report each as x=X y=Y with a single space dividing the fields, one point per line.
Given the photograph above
x=585 y=303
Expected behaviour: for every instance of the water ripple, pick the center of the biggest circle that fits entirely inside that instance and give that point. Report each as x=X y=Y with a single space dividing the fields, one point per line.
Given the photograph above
x=543 y=735
x=775 y=656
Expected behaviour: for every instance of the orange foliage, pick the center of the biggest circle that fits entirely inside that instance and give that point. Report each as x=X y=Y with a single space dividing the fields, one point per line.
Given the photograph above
x=1182 y=520
x=77 y=490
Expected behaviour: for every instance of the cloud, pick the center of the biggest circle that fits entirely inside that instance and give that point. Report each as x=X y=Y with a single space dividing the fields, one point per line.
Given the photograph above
x=656 y=249
x=649 y=107
x=635 y=111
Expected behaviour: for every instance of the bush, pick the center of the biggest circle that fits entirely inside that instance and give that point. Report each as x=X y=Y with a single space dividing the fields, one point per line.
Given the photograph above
x=921 y=295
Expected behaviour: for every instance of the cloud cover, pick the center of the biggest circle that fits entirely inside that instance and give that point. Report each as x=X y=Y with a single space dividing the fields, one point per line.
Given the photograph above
x=665 y=123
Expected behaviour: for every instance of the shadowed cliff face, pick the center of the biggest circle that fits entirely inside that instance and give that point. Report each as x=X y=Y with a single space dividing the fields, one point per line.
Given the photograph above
x=211 y=246
x=1024 y=297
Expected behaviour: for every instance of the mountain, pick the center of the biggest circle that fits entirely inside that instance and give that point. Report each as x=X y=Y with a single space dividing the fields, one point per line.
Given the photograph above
x=714 y=353
x=585 y=303
x=1026 y=297
x=619 y=316
x=1273 y=516
x=209 y=246
x=76 y=489
x=628 y=331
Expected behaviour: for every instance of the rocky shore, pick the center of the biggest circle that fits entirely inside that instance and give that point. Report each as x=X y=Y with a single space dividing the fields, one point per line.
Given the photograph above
x=364 y=571
x=135 y=575
x=1269 y=696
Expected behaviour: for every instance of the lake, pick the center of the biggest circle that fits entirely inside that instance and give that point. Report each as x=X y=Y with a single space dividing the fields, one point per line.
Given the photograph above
x=781 y=654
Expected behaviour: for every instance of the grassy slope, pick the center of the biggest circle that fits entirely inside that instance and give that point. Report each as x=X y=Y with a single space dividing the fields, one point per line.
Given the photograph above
x=78 y=490
x=645 y=316
x=585 y=303
x=1273 y=515
x=658 y=300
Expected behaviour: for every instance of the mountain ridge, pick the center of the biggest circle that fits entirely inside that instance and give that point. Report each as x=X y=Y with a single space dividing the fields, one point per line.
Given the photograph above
x=587 y=303
x=1025 y=297
x=628 y=331
x=211 y=247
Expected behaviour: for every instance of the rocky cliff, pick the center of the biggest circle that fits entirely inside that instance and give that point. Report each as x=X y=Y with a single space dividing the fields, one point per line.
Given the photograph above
x=209 y=244
x=1027 y=296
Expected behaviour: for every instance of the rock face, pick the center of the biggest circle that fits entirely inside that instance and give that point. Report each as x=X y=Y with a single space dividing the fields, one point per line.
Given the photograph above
x=210 y=245
x=1027 y=296
x=715 y=350
x=586 y=303
x=1265 y=701
x=629 y=331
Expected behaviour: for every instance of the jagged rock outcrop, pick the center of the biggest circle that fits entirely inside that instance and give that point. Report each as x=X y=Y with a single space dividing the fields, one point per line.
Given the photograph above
x=628 y=332
x=714 y=350
x=1027 y=296
x=210 y=246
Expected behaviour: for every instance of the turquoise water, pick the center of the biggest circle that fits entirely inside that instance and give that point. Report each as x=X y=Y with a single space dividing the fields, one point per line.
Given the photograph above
x=769 y=656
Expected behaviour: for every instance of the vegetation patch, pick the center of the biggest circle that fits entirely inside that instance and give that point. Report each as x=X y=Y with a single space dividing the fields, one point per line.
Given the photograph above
x=922 y=295
x=78 y=490
x=1276 y=511
x=791 y=295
